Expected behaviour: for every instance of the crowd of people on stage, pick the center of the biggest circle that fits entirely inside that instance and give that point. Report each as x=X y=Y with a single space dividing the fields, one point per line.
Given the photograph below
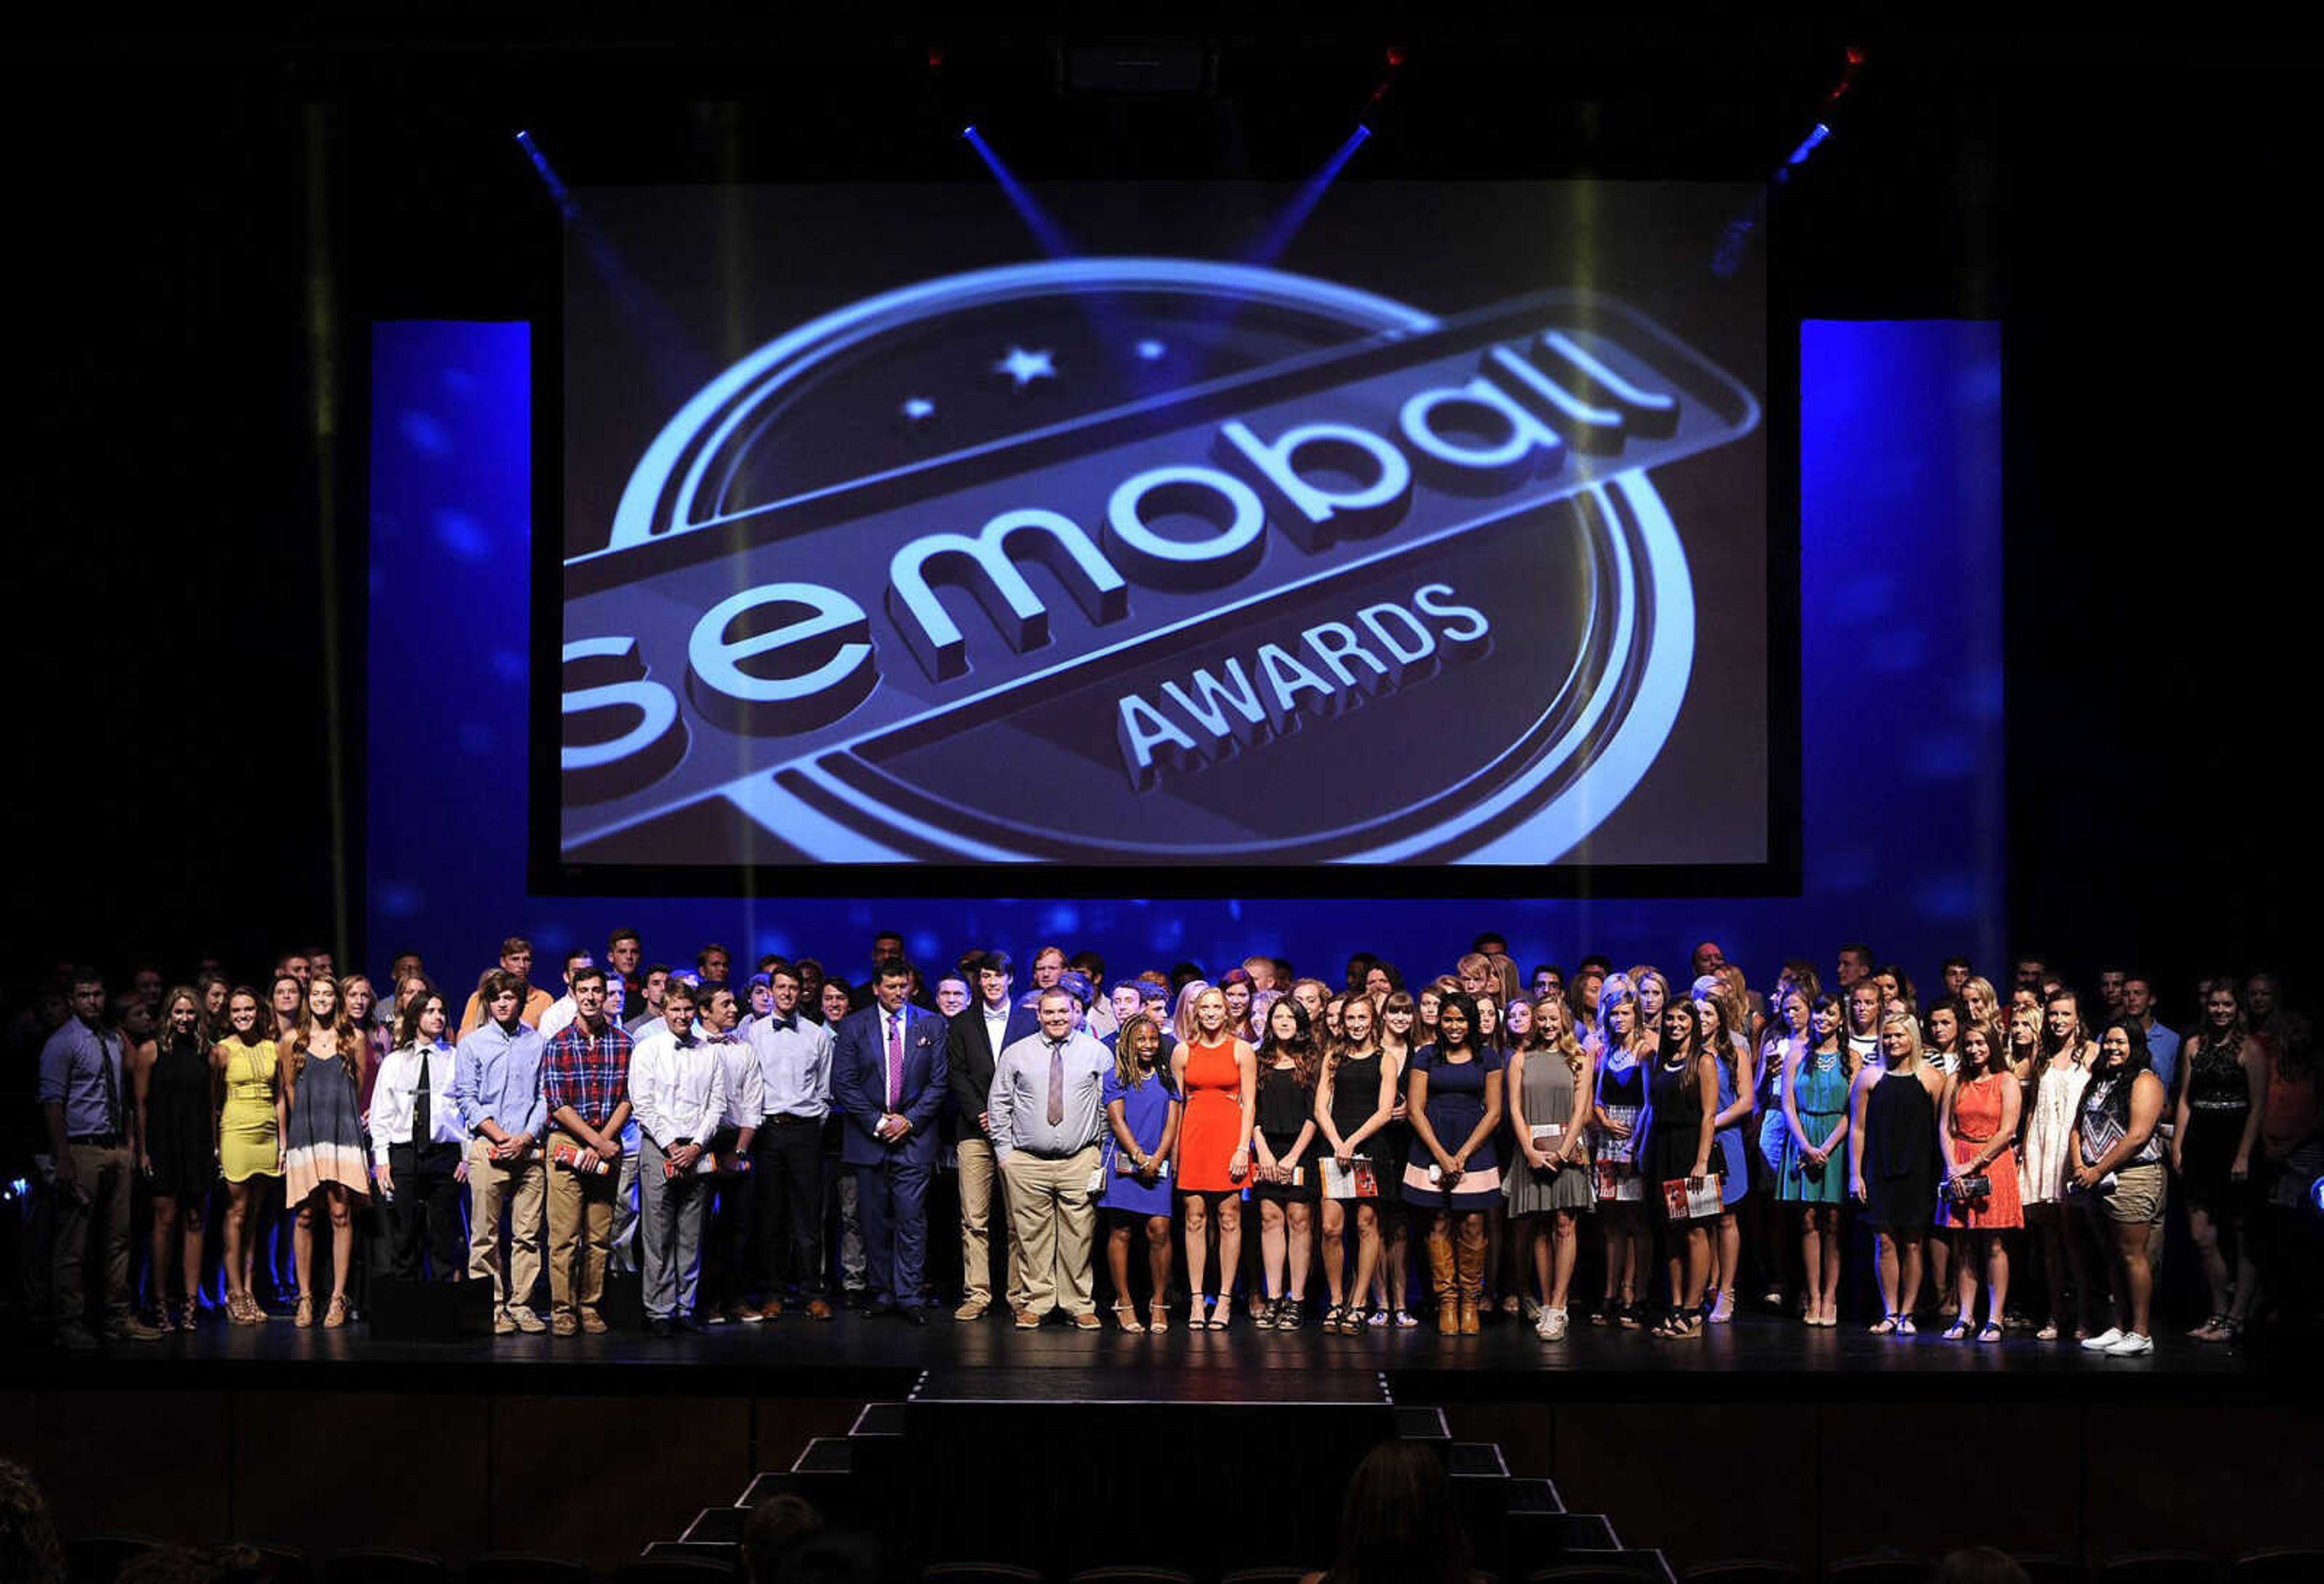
x=771 y=1139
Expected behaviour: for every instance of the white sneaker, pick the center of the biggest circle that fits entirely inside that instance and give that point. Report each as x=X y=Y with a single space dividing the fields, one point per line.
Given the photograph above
x=1556 y=1320
x=1541 y=1326
x=2104 y=1342
x=2132 y=1346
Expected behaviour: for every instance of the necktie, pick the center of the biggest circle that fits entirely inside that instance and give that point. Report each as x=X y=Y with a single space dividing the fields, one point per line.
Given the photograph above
x=1056 y=1083
x=895 y=1058
x=111 y=1085
x=422 y=1112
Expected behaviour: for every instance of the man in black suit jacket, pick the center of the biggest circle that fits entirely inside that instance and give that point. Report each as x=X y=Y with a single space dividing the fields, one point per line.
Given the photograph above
x=887 y=1073
x=979 y=1034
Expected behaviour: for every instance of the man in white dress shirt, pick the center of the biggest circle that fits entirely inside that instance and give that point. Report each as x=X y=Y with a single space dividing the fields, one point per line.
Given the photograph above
x=1046 y=1109
x=677 y=1090
x=727 y=1246
x=795 y=1089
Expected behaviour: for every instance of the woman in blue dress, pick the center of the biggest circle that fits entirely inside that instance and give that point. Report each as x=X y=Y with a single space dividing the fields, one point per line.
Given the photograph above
x=1815 y=1170
x=1726 y=1037
x=1453 y=1095
x=1142 y=1113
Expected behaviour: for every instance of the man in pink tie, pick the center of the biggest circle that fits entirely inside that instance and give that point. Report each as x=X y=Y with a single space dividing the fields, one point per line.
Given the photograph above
x=888 y=1075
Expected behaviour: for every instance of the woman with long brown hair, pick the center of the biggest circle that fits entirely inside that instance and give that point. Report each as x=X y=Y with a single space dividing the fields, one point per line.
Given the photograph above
x=1619 y=1055
x=323 y=1072
x=1727 y=1035
x=1141 y=1115
x=1399 y=1016
x=1978 y=1126
x=1355 y=1095
x=1816 y=1081
x=177 y=1149
x=1680 y=1146
x=1283 y=1135
x=1454 y=1093
x=2061 y=1070
x=2222 y=1096
x=247 y=1072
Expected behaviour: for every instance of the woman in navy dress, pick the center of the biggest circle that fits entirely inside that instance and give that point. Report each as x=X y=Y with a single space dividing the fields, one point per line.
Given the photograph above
x=1453 y=1095
x=1142 y=1114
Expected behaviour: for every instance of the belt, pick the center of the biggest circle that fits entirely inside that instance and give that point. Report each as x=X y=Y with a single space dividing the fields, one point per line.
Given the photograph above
x=1066 y=1155
x=790 y=1119
x=102 y=1140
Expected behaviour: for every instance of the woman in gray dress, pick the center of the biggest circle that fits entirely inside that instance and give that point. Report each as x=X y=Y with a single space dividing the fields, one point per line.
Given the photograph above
x=322 y=1135
x=1550 y=1088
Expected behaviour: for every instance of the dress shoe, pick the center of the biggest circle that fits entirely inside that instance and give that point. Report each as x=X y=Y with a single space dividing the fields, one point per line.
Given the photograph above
x=915 y=1313
x=745 y=1313
x=527 y=1321
x=660 y=1328
x=772 y=1309
x=132 y=1330
x=76 y=1339
x=593 y=1323
x=1026 y=1321
x=818 y=1308
x=503 y=1324
x=883 y=1307
x=686 y=1323
x=972 y=1310
x=565 y=1325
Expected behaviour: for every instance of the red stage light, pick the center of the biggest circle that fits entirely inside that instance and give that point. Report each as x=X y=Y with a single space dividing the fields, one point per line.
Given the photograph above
x=1855 y=56
x=1395 y=57
x=936 y=60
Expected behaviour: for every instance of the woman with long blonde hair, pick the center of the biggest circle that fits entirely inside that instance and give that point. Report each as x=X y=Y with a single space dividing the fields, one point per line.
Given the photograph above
x=1892 y=1150
x=1550 y=1105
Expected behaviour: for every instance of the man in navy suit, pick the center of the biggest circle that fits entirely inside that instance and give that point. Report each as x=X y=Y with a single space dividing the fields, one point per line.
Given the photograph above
x=979 y=1034
x=888 y=1071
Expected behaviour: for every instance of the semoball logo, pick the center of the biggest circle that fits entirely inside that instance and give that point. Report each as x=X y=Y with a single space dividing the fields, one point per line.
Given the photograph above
x=1235 y=620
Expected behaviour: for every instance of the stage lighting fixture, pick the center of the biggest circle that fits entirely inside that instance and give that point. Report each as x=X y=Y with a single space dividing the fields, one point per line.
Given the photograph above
x=1138 y=71
x=1395 y=57
x=2316 y=1196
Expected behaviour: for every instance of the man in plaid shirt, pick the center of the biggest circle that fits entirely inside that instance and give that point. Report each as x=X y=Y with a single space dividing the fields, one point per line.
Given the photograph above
x=586 y=1081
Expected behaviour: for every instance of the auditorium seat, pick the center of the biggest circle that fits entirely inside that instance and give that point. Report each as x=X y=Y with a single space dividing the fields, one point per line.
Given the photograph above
x=1744 y=1573
x=663 y=1569
x=978 y=1574
x=516 y=1567
x=283 y=1564
x=1615 y=1568
x=387 y=1567
x=1266 y=1576
x=1132 y=1576
x=2282 y=1565
x=1878 y=1570
x=2042 y=1568
x=2160 y=1567
x=96 y=1559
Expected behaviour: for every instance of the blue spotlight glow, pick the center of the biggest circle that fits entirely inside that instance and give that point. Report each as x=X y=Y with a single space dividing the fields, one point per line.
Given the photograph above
x=558 y=193
x=1808 y=145
x=1045 y=231
x=1302 y=203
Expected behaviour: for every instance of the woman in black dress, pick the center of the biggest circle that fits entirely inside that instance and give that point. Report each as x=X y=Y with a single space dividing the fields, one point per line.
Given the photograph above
x=1283 y=1176
x=177 y=1103
x=1892 y=1148
x=1354 y=1097
x=1683 y=1096
x=2222 y=1094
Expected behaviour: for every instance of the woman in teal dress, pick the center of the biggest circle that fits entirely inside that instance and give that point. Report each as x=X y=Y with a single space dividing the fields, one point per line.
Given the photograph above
x=1814 y=1174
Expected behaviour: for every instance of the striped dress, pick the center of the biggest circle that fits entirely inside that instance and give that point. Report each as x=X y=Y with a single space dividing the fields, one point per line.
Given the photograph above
x=324 y=1141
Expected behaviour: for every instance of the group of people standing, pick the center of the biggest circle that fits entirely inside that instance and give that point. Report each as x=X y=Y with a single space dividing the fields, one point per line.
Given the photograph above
x=1497 y=1116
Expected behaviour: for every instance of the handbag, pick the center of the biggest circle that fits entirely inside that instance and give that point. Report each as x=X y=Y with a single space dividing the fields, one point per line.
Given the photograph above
x=1961 y=1188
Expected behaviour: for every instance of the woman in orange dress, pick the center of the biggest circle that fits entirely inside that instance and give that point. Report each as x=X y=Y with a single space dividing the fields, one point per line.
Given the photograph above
x=1979 y=1125
x=1219 y=1075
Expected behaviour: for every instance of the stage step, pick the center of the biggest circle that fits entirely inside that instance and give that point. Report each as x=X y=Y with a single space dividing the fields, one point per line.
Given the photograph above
x=1533 y=1497
x=1647 y=1566
x=716 y=1526
x=1422 y=1424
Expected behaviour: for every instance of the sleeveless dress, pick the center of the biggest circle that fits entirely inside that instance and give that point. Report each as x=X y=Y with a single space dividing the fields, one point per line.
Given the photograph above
x=1622 y=1095
x=178 y=1120
x=1977 y=1117
x=1211 y=1128
x=1145 y=1111
x=1819 y=1096
x=1676 y=1134
x=1355 y=1096
x=1282 y=1106
x=2218 y=1104
x=1456 y=1104
x=2049 y=1151
x=1731 y=1157
x=1900 y=1155
x=323 y=1137
x=1548 y=1095
x=247 y=1144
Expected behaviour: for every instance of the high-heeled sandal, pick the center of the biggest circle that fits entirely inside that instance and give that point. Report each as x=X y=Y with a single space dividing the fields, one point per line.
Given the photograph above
x=303 y=1317
x=186 y=1315
x=1221 y=1315
x=1722 y=1312
x=335 y=1316
x=1287 y=1316
x=1127 y=1315
x=1157 y=1317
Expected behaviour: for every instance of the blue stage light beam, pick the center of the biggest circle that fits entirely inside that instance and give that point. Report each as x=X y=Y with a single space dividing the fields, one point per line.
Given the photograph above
x=1302 y=203
x=1047 y=232
x=558 y=192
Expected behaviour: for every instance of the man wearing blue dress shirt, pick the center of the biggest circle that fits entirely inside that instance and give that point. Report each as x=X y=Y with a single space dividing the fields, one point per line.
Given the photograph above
x=888 y=1074
x=85 y=1097
x=1046 y=1113
x=496 y=1082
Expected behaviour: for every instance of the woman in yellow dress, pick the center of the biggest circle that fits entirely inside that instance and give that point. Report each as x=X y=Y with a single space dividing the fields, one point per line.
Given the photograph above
x=250 y=1141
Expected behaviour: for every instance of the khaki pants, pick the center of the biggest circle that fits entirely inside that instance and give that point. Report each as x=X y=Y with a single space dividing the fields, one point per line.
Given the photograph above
x=980 y=1190
x=519 y=1186
x=103 y=1196
x=580 y=1226
x=1055 y=1215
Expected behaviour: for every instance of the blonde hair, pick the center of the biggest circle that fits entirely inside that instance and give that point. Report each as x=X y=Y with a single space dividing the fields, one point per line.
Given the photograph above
x=1912 y=1027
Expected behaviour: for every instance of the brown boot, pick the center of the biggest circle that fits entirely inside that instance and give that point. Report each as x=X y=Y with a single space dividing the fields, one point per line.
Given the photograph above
x=1472 y=1278
x=1441 y=1278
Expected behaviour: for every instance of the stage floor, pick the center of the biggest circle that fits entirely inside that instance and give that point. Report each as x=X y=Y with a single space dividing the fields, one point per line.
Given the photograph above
x=1756 y=1358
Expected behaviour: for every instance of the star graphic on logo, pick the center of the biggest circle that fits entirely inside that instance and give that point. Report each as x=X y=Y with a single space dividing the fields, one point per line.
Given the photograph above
x=1151 y=349
x=918 y=407
x=1025 y=367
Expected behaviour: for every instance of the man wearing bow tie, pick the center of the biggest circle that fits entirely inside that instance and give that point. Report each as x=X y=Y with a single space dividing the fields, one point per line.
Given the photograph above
x=889 y=1076
x=786 y=1171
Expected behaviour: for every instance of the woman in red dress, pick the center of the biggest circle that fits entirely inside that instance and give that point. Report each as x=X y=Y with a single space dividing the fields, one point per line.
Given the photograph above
x=1219 y=1075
